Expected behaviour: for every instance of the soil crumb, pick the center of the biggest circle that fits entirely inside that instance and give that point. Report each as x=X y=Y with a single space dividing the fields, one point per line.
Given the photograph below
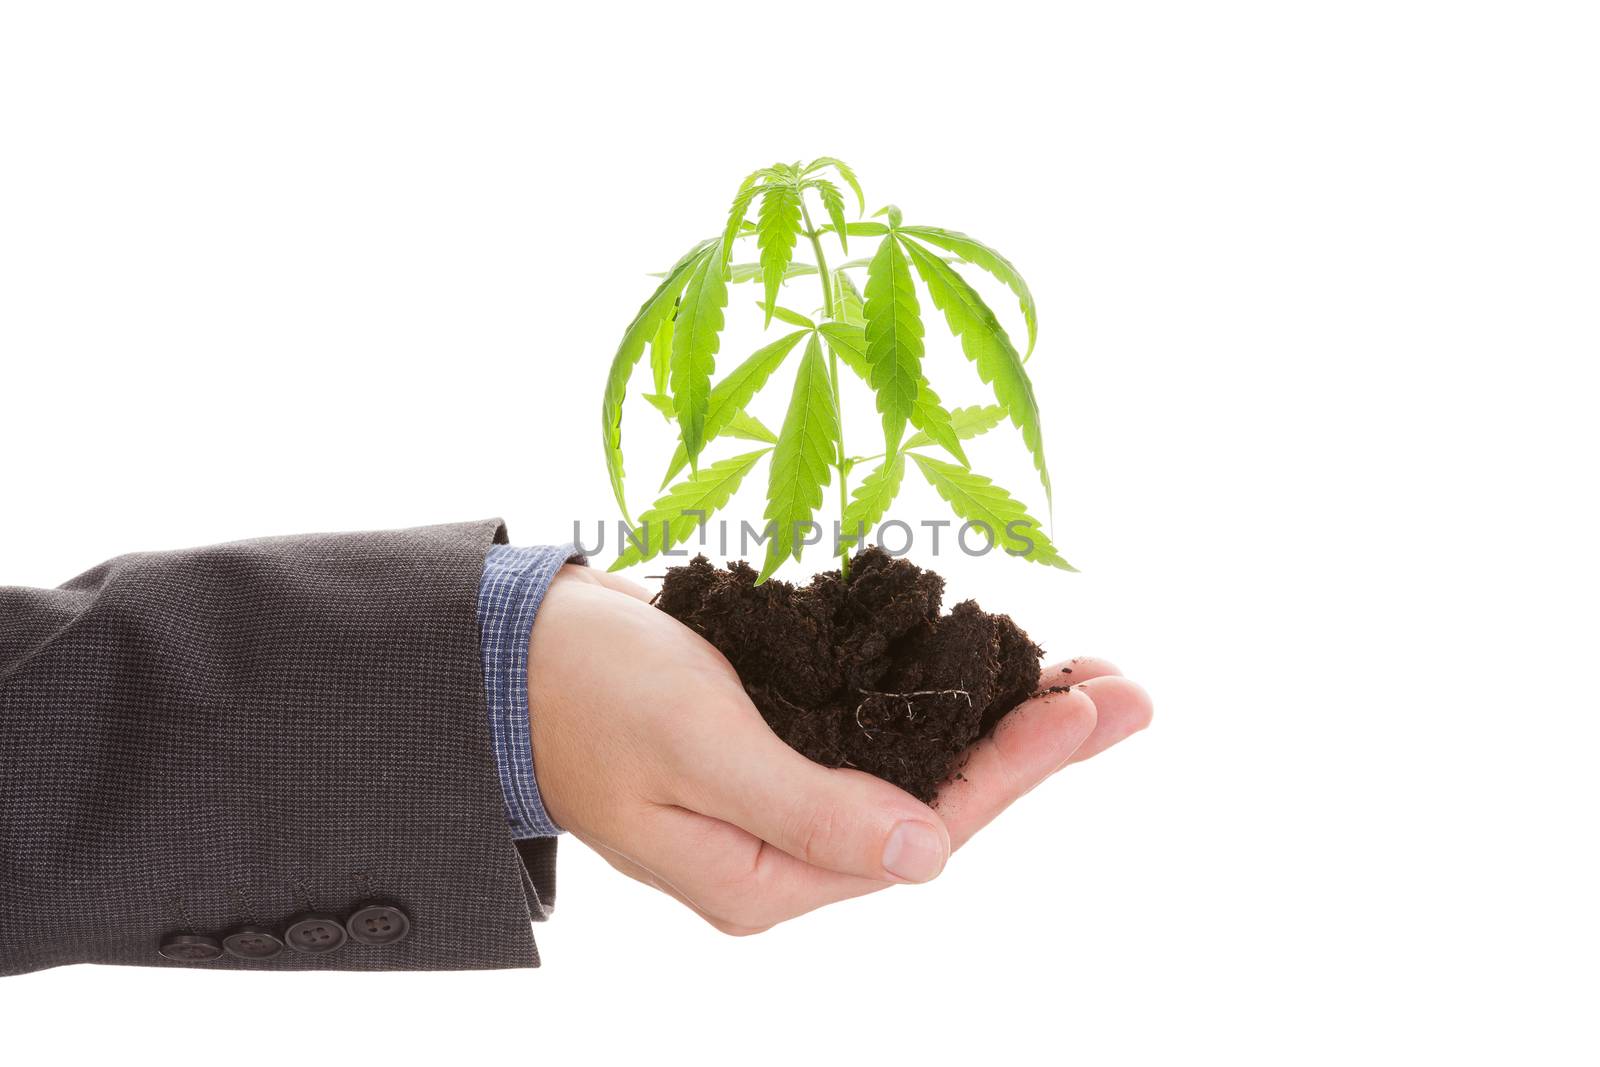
x=865 y=673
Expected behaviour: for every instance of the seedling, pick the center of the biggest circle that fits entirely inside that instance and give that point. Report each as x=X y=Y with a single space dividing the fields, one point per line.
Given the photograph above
x=875 y=330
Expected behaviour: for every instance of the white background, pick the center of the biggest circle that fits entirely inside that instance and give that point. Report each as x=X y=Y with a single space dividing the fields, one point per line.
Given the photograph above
x=1317 y=356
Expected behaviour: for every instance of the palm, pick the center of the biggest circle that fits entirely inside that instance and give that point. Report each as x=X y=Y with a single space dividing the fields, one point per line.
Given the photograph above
x=698 y=798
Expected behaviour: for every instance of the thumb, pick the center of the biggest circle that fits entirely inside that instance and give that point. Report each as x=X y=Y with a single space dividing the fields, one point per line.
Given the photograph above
x=839 y=819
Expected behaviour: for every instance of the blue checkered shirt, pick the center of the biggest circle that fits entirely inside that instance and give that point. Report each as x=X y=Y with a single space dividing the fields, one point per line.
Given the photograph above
x=514 y=582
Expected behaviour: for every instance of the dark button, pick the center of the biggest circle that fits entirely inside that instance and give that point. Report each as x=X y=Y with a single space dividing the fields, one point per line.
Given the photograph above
x=252 y=943
x=378 y=924
x=190 y=948
x=314 y=933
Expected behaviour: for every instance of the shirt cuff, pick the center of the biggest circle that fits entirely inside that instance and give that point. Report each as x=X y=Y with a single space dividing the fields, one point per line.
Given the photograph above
x=513 y=586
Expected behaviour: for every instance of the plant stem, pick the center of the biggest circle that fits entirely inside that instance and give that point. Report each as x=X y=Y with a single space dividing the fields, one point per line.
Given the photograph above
x=833 y=379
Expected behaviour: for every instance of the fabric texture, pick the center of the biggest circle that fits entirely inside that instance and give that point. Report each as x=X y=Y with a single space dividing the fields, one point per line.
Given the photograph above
x=196 y=740
x=514 y=583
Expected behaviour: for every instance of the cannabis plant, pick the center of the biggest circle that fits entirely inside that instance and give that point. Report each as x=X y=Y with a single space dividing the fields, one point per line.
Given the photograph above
x=875 y=330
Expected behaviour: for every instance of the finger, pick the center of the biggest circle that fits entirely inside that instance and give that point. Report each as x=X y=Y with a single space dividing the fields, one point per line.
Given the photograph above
x=738 y=882
x=1116 y=722
x=838 y=819
x=640 y=873
x=1024 y=749
x=1076 y=670
x=1122 y=709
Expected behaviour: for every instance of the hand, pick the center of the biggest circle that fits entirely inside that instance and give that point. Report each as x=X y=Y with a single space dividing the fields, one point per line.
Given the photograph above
x=649 y=752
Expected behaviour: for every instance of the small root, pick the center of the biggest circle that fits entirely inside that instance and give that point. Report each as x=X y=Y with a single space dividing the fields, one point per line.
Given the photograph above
x=908 y=697
x=919 y=693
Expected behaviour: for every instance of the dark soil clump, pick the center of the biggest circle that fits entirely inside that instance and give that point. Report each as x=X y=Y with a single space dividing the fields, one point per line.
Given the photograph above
x=865 y=673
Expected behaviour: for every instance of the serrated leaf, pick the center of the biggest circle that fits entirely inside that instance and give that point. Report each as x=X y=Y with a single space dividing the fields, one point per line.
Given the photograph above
x=991 y=510
x=833 y=203
x=859 y=229
x=643 y=327
x=932 y=420
x=748 y=428
x=984 y=341
x=749 y=272
x=729 y=396
x=801 y=462
x=695 y=340
x=685 y=506
x=861 y=264
x=894 y=339
x=968 y=422
x=661 y=353
x=849 y=342
x=848 y=304
x=777 y=230
x=788 y=315
x=737 y=211
x=739 y=424
x=755 y=176
x=872 y=498
x=663 y=403
x=981 y=255
x=845 y=172
x=893 y=213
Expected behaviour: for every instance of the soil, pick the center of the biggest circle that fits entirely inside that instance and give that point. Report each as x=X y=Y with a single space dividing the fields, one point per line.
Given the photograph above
x=865 y=673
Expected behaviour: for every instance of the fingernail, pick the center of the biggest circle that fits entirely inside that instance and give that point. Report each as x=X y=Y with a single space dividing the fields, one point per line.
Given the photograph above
x=914 y=851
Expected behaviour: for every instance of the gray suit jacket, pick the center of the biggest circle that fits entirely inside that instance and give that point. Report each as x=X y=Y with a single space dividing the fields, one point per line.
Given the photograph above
x=265 y=736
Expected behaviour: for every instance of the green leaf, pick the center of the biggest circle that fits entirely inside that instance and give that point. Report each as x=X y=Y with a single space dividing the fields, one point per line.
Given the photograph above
x=849 y=342
x=730 y=395
x=967 y=423
x=661 y=353
x=847 y=303
x=695 y=341
x=894 y=339
x=783 y=314
x=738 y=424
x=932 y=420
x=859 y=229
x=748 y=428
x=646 y=321
x=984 y=341
x=755 y=176
x=845 y=172
x=893 y=213
x=777 y=230
x=807 y=445
x=872 y=498
x=749 y=272
x=834 y=205
x=685 y=506
x=992 y=510
x=736 y=213
x=981 y=255
x=663 y=403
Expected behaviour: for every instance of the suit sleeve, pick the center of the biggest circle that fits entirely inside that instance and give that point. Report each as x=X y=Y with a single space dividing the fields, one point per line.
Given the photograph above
x=269 y=755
